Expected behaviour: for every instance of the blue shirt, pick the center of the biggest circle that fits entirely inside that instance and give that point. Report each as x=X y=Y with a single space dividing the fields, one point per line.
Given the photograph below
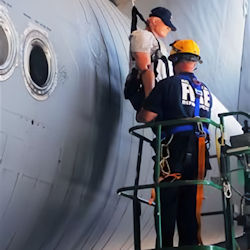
x=174 y=98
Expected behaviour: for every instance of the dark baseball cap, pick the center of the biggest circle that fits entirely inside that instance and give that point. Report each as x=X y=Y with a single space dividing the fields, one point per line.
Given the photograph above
x=165 y=15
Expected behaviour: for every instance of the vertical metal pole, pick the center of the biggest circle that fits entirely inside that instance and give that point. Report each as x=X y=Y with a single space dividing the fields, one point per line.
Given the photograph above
x=136 y=203
x=227 y=208
x=226 y=202
x=247 y=202
x=157 y=189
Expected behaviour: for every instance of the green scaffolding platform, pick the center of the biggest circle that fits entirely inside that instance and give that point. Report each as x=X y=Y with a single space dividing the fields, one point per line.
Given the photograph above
x=132 y=191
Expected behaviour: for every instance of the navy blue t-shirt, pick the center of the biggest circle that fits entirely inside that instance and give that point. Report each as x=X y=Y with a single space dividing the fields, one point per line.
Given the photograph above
x=174 y=98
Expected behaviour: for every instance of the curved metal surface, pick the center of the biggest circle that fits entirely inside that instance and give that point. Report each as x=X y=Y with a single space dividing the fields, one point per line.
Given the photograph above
x=63 y=159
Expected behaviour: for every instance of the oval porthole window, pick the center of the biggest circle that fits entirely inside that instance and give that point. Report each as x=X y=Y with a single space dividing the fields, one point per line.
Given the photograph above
x=39 y=65
x=4 y=46
x=8 y=46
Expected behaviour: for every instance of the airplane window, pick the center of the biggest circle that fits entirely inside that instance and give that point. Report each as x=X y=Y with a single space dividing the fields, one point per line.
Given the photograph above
x=4 y=46
x=8 y=46
x=38 y=66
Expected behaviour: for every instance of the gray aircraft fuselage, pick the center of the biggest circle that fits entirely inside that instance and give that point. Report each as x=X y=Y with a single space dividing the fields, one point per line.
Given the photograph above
x=65 y=147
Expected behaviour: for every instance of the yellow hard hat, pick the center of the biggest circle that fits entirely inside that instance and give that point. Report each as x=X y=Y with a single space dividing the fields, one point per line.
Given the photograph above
x=185 y=47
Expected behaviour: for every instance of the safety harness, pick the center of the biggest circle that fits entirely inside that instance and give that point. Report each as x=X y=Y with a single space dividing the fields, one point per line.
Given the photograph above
x=133 y=89
x=157 y=55
x=197 y=86
x=201 y=133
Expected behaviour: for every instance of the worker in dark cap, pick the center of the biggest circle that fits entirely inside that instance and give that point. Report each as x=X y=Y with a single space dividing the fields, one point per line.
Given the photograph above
x=165 y=15
x=148 y=55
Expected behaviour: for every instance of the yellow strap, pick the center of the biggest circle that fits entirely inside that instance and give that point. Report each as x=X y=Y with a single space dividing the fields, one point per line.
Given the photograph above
x=218 y=144
x=201 y=174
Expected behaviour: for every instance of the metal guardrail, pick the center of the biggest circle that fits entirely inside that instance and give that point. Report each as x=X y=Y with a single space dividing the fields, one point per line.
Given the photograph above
x=184 y=121
x=158 y=126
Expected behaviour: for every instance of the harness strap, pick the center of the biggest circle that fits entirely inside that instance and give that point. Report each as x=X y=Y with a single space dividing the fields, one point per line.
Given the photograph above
x=136 y=13
x=196 y=85
x=184 y=128
x=165 y=60
x=201 y=174
x=156 y=60
x=157 y=55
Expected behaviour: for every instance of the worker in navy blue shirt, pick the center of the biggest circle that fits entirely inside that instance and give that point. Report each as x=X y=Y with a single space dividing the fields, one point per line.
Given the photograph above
x=180 y=96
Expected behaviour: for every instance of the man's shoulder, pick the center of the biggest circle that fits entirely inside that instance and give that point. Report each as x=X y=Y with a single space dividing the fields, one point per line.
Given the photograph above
x=171 y=83
x=141 y=41
x=169 y=80
x=145 y=34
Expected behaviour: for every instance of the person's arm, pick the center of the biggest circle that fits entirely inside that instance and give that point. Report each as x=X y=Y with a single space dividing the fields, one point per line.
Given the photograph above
x=145 y=115
x=141 y=43
x=153 y=105
x=143 y=62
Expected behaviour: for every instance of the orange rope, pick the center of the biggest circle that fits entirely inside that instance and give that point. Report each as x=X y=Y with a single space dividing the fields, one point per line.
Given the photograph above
x=176 y=176
x=201 y=174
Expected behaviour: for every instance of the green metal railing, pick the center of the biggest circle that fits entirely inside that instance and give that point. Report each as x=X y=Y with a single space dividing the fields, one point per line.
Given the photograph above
x=157 y=186
x=223 y=115
x=158 y=126
x=226 y=173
